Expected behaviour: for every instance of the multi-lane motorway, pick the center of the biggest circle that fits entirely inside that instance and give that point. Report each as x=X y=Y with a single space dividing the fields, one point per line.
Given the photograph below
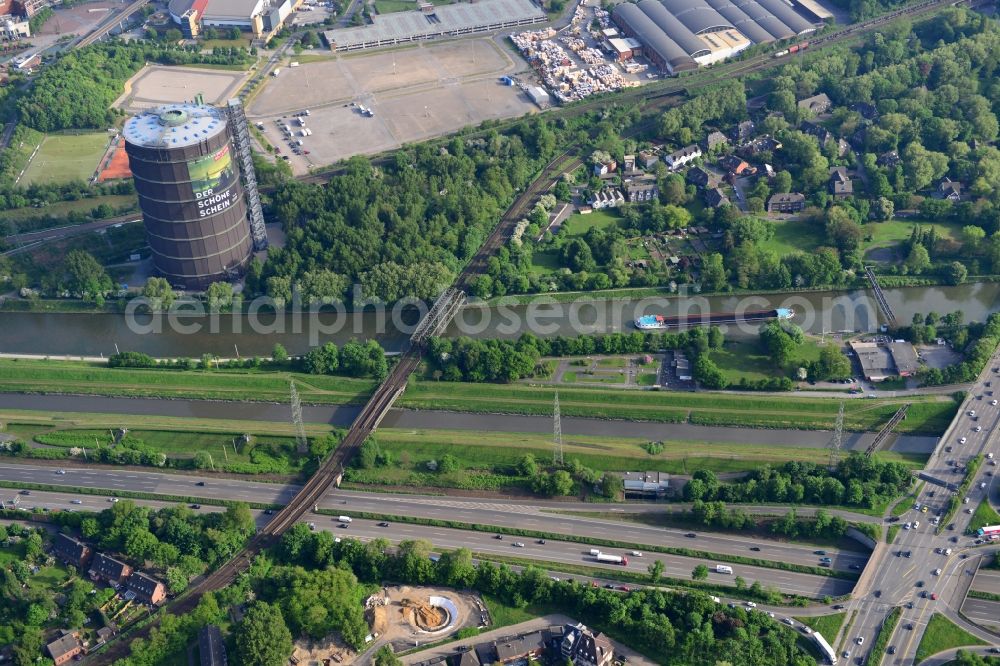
x=928 y=580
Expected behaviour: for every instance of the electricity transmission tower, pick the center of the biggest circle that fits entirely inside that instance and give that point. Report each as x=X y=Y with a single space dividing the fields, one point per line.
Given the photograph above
x=838 y=437
x=300 y=430
x=557 y=444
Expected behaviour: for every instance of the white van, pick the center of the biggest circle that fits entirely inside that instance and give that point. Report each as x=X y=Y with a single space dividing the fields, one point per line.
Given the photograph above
x=344 y=519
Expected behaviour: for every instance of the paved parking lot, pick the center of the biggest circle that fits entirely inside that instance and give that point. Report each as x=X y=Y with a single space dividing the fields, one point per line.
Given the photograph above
x=415 y=93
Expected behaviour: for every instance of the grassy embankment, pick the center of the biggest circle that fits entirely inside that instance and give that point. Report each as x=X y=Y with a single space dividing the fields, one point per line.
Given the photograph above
x=984 y=515
x=826 y=625
x=943 y=634
x=927 y=414
x=29 y=376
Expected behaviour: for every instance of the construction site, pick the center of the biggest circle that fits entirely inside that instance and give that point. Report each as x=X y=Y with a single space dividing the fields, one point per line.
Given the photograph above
x=404 y=617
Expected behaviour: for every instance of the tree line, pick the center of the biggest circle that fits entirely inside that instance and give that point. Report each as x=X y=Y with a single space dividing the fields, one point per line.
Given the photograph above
x=856 y=481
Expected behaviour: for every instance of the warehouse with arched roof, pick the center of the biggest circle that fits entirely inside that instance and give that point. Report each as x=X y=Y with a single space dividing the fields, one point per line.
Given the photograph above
x=697 y=16
x=663 y=51
x=681 y=34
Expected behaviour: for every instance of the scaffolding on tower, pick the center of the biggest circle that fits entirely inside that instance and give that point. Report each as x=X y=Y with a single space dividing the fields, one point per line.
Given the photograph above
x=241 y=139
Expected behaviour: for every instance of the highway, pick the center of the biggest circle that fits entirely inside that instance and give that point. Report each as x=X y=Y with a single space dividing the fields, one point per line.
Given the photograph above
x=896 y=579
x=988 y=581
x=529 y=515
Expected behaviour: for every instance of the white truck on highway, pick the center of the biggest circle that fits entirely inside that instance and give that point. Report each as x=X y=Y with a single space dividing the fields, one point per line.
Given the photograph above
x=723 y=569
x=612 y=559
x=344 y=519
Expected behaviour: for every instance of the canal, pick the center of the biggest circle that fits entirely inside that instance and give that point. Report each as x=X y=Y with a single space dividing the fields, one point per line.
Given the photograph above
x=227 y=335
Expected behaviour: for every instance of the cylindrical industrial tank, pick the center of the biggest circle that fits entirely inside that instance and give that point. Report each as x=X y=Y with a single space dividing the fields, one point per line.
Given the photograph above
x=188 y=181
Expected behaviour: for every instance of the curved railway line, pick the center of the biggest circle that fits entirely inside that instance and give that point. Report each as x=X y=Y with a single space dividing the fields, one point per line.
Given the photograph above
x=394 y=384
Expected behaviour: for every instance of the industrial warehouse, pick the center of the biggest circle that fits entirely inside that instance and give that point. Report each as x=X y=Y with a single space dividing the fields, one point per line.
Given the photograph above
x=261 y=17
x=681 y=35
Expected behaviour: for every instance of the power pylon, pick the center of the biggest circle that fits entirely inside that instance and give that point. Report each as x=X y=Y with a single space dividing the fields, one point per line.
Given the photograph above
x=838 y=438
x=557 y=445
x=300 y=430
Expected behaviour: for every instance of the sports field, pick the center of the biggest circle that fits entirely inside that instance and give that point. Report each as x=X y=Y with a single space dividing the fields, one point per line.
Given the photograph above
x=65 y=157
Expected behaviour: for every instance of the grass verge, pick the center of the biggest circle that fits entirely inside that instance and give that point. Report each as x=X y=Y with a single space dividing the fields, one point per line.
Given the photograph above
x=943 y=634
x=984 y=515
x=985 y=596
x=890 y=535
x=610 y=543
x=884 y=634
x=930 y=414
x=826 y=625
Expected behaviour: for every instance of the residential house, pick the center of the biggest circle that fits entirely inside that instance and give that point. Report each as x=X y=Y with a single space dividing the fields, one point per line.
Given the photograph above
x=841 y=185
x=761 y=144
x=642 y=190
x=605 y=168
x=786 y=202
x=71 y=551
x=744 y=131
x=211 y=647
x=607 y=198
x=714 y=140
x=647 y=158
x=889 y=159
x=735 y=167
x=104 y=634
x=628 y=164
x=867 y=111
x=714 y=198
x=147 y=589
x=816 y=104
x=593 y=650
x=467 y=658
x=584 y=648
x=109 y=569
x=682 y=157
x=949 y=189
x=65 y=647
x=511 y=649
x=821 y=133
x=699 y=177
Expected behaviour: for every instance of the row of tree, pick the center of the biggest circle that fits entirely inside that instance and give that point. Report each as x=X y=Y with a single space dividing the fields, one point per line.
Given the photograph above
x=856 y=481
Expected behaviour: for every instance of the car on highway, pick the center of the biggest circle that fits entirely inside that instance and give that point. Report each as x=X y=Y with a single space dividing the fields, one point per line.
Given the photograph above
x=312 y=526
x=993 y=402
x=977 y=429
x=498 y=537
x=860 y=640
x=838 y=606
x=196 y=506
x=846 y=654
x=933 y=596
x=891 y=650
x=787 y=620
x=540 y=542
x=633 y=553
x=755 y=549
x=25 y=492
x=962 y=440
x=690 y=535
x=200 y=483
x=76 y=501
x=920 y=583
x=965 y=501
x=343 y=526
x=60 y=471
x=916 y=524
x=517 y=544
x=909 y=626
x=923 y=509
x=819 y=552
x=908 y=554
x=972 y=412
x=825 y=559
x=268 y=512
x=383 y=524
x=751 y=604
x=989 y=456
x=907 y=526
x=937 y=572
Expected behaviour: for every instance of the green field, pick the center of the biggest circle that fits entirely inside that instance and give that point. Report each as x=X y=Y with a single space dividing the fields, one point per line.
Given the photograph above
x=740 y=359
x=942 y=634
x=928 y=414
x=826 y=625
x=65 y=157
x=792 y=236
x=97 y=379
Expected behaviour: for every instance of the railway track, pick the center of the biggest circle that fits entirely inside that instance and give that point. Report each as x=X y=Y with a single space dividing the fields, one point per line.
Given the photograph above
x=104 y=28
